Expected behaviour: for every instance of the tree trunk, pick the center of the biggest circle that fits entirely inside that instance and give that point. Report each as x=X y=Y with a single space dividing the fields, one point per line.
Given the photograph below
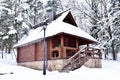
x=16 y=37
x=113 y=51
x=113 y=54
x=2 y=53
x=9 y=50
x=6 y=49
x=35 y=12
x=106 y=54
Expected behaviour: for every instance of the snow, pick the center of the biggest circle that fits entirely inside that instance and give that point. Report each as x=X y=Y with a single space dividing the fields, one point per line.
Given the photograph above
x=1 y=33
x=44 y=1
x=5 y=37
x=19 y=18
x=56 y=27
x=11 y=27
x=3 y=8
x=12 y=31
x=118 y=56
x=110 y=71
x=67 y=28
x=26 y=6
x=25 y=25
x=33 y=36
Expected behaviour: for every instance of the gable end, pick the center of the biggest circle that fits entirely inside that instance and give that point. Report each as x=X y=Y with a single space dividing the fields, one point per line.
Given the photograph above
x=69 y=19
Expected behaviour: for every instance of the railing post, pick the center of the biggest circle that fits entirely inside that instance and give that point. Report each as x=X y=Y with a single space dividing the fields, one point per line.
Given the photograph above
x=86 y=53
x=72 y=63
x=100 y=56
x=79 y=57
x=93 y=52
x=87 y=46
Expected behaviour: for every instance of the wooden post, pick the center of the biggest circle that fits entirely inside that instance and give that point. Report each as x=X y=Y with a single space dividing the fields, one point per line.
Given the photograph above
x=50 y=48
x=62 y=53
x=100 y=56
x=93 y=52
x=87 y=46
x=62 y=40
x=79 y=57
x=87 y=49
x=77 y=48
x=85 y=54
x=77 y=45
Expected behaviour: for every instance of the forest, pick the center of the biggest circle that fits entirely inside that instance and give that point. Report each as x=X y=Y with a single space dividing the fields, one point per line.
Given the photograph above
x=99 y=18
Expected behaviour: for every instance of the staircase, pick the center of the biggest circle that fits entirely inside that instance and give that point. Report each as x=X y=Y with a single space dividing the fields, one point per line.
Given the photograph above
x=79 y=58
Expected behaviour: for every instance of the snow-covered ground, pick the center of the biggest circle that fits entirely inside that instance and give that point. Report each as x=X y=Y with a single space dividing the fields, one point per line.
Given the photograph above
x=110 y=71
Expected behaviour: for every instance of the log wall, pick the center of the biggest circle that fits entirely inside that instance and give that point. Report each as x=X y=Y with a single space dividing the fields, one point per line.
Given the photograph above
x=26 y=53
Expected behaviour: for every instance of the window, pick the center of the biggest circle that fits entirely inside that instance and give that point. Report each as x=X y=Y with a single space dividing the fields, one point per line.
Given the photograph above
x=70 y=42
x=56 y=42
x=55 y=54
x=66 y=41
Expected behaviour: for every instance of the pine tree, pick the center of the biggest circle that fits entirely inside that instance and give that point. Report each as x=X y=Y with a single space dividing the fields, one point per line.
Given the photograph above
x=105 y=24
x=114 y=30
x=10 y=24
x=6 y=21
x=33 y=13
x=55 y=5
x=95 y=18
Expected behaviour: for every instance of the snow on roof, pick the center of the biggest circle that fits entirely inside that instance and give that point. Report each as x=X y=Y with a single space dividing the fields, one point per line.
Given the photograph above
x=59 y=27
x=33 y=35
x=55 y=27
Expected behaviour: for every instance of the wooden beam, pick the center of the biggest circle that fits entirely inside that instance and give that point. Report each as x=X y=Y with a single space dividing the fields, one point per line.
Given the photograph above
x=77 y=45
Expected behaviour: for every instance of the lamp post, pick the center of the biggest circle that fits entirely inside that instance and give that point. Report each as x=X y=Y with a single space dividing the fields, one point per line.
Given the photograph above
x=44 y=25
x=45 y=51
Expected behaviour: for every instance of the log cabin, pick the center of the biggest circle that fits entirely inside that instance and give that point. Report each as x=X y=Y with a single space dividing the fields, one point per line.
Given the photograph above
x=63 y=40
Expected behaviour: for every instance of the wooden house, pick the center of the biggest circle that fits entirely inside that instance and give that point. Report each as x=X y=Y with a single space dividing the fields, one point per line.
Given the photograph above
x=63 y=39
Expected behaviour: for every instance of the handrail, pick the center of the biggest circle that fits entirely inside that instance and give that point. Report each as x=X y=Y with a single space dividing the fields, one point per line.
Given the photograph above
x=76 y=53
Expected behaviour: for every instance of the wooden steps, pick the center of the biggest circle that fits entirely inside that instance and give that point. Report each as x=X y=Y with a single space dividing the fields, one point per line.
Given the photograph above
x=79 y=59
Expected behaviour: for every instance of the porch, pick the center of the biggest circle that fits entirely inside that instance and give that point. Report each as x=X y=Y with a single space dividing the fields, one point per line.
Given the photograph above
x=83 y=57
x=63 y=46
